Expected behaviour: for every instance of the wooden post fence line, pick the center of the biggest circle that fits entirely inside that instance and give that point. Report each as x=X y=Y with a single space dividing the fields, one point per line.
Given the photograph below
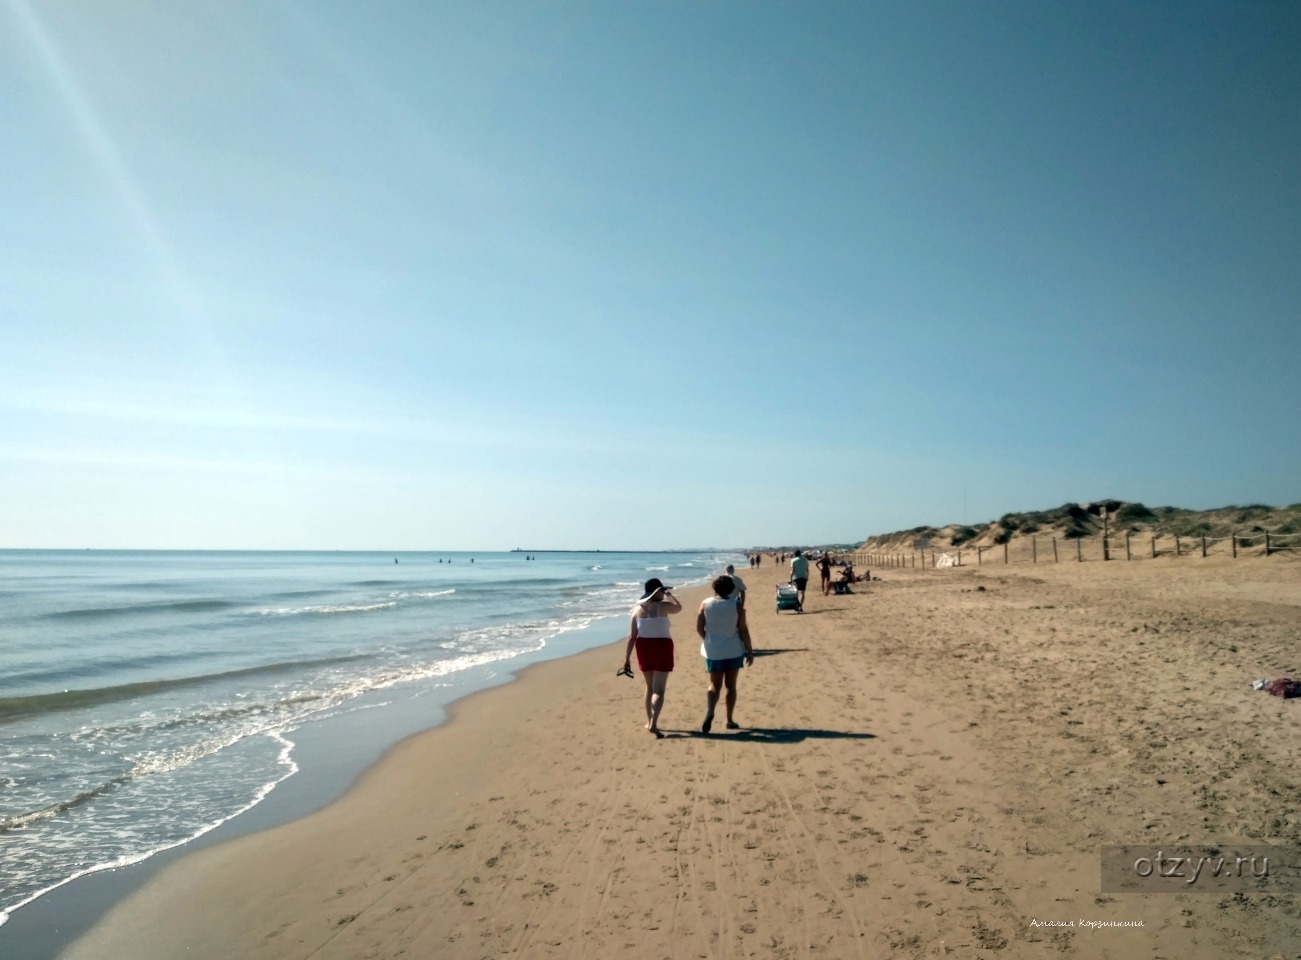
x=1026 y=550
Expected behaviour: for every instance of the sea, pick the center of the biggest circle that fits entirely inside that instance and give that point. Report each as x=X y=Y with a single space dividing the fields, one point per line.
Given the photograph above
x=147 y=698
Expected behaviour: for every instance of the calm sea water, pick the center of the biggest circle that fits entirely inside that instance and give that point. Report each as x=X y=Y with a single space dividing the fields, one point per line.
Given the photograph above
x=146 y=697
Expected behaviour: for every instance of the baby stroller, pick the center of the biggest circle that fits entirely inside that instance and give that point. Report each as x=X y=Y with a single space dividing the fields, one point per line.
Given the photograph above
x=788 y=598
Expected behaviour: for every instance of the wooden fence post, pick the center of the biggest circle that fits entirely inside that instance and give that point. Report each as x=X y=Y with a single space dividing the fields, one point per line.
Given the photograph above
x=1154 y=548
x=1055 y=560
x=1234 y=537
x=980 y=555
x=1005 y=551
x=1078 y=555
x=1203 y=546
x=1176 y=544
x=1267 y=543
x=1127 y=556
x=1034 y=549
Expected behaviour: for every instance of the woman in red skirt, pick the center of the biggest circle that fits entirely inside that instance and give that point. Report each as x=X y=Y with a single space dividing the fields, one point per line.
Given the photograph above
x=648 y=634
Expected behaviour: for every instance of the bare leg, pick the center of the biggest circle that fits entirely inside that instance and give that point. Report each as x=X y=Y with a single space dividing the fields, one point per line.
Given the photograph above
x=656 y=682
x=711 y=698
x=659 y=684
x=730 y=678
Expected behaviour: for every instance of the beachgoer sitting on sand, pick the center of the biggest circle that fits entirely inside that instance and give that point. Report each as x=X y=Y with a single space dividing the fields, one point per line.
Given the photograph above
x=841 y=583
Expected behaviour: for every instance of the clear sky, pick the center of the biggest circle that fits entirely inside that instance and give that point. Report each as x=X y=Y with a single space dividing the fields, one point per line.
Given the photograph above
x=479 y=275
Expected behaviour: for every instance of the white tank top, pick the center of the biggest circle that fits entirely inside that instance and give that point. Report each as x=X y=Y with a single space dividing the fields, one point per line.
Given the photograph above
x=651 y=628
x=722 y=639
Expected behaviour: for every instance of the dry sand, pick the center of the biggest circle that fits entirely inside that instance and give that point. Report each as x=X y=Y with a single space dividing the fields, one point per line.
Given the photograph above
x=927 y=768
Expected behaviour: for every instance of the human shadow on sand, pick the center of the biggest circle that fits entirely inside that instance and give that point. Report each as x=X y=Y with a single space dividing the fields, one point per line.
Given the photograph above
x=768 y=734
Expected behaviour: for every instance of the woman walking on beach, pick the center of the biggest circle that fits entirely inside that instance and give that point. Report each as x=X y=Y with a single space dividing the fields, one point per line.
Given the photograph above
x=725 y=645
x=648 y=634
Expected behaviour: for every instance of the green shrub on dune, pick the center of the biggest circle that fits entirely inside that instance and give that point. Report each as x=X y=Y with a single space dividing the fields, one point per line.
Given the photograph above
x=1076 y=521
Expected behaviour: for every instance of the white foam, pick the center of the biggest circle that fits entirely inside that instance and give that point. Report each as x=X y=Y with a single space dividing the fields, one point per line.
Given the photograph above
x=327 y=608
x=422 y=594
x=285 y=759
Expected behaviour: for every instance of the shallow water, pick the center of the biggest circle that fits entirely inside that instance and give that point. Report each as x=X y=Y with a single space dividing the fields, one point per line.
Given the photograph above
x=147 y=697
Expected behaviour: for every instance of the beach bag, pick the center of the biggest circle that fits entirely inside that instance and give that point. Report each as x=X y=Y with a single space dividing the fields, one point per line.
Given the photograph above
x=1284 y=687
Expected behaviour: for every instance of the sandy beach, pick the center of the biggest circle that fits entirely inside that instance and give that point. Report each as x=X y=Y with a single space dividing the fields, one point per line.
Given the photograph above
x=925 y=768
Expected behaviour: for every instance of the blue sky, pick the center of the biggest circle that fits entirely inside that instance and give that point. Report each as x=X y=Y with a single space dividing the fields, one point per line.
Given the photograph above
x=404 y=275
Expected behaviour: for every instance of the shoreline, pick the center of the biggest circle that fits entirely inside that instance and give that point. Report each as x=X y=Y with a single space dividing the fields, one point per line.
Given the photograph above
x=904 y=780
x=48 y=925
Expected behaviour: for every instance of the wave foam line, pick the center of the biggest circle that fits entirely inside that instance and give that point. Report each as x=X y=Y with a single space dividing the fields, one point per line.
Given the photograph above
x=173 y=606
x=14 y=708
x=326 y=609
x=54 y=809
x=285 y=759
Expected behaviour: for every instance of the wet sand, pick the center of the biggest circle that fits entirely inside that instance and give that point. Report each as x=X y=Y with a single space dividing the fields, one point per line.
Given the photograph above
x=925 y=768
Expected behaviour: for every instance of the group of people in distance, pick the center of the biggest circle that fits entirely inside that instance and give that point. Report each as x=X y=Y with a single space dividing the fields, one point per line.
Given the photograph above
x=800 y=574
x=724 y=635
x=799 y=567
x=724 y=643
